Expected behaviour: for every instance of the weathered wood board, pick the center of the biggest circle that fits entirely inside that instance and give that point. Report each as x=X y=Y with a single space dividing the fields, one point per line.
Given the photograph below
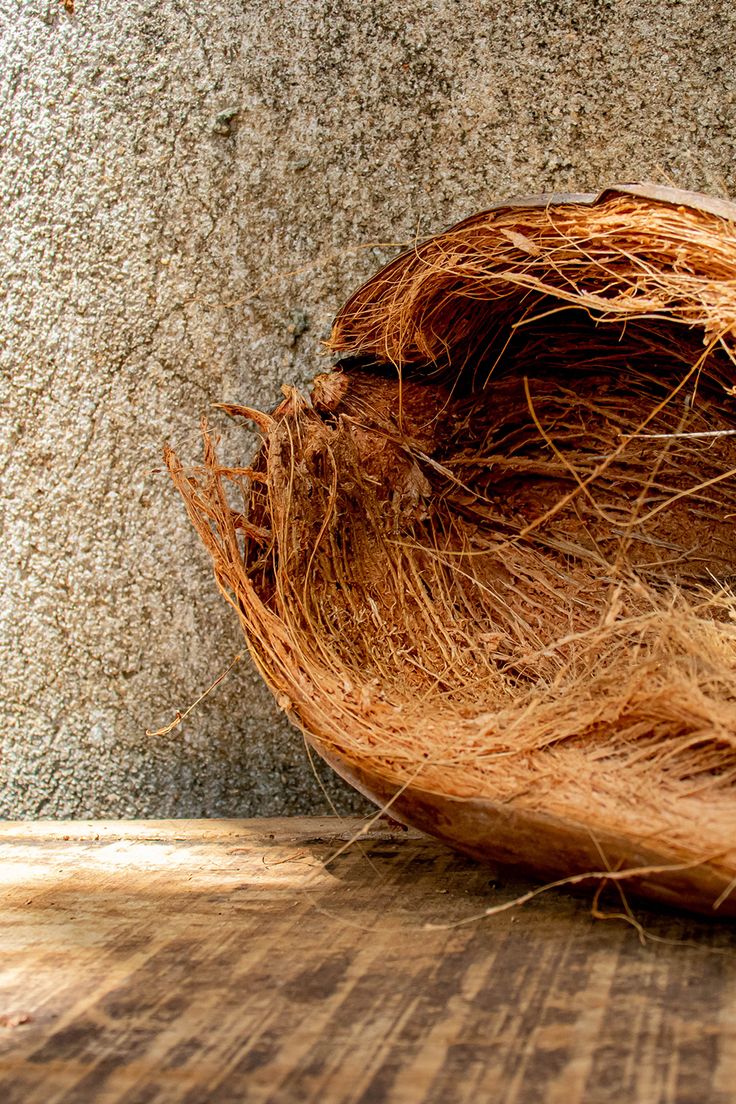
x=219 y=962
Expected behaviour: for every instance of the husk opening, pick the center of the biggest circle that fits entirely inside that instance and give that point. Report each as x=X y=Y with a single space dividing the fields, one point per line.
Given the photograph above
x=493 y=553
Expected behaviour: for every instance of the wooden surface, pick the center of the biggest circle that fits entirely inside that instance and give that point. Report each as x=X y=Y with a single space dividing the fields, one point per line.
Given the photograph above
x=205 y=962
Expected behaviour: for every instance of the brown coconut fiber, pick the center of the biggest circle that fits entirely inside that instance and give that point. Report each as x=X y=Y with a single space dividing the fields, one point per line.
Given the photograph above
x=488 y=565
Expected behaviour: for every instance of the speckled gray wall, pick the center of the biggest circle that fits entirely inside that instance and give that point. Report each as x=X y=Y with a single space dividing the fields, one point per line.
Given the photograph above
x=188 y=193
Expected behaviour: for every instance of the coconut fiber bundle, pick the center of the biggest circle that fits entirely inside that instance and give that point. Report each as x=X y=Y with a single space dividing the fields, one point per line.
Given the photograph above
x=488 y=565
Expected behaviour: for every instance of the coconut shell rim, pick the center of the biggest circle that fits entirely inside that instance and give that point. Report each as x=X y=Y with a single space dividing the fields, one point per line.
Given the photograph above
x=660 y=193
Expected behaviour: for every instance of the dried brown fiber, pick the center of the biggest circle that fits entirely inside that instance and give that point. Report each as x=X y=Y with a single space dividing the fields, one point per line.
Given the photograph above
x=488 y=566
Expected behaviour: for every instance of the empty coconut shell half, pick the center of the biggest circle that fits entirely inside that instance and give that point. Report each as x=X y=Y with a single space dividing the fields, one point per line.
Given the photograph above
x=488 y=565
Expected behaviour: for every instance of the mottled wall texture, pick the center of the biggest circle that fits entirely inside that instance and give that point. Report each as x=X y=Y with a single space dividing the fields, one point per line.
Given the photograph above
x=189 y=191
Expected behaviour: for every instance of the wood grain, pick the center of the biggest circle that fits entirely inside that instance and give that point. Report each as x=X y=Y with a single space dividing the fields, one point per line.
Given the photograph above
x=209 y=962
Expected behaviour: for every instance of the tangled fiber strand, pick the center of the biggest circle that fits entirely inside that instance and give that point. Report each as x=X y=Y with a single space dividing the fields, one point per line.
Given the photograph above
x=490 y=560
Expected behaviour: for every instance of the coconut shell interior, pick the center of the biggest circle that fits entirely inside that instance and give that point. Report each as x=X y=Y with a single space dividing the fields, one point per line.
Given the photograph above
x=487 y=564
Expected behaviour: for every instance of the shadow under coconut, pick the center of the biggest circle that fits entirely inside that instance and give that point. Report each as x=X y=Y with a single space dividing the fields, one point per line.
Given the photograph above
x=436 y=889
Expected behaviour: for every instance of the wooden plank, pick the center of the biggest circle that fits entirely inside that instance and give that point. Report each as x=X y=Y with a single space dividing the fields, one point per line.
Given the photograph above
x=209 y=962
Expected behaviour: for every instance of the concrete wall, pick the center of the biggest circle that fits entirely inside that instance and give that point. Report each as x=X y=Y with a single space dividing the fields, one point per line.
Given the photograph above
x=189 y=191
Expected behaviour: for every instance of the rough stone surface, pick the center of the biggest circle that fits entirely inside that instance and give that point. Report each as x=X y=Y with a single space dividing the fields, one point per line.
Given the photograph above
x=188 y=193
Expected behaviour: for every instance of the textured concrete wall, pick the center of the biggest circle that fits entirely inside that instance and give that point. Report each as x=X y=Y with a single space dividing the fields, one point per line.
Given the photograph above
x=188 y=193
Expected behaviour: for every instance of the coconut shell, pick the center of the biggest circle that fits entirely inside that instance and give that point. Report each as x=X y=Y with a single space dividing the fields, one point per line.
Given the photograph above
x=487 y=567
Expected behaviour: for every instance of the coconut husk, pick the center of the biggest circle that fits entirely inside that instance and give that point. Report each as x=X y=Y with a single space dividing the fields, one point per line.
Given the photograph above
x=487 y=566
